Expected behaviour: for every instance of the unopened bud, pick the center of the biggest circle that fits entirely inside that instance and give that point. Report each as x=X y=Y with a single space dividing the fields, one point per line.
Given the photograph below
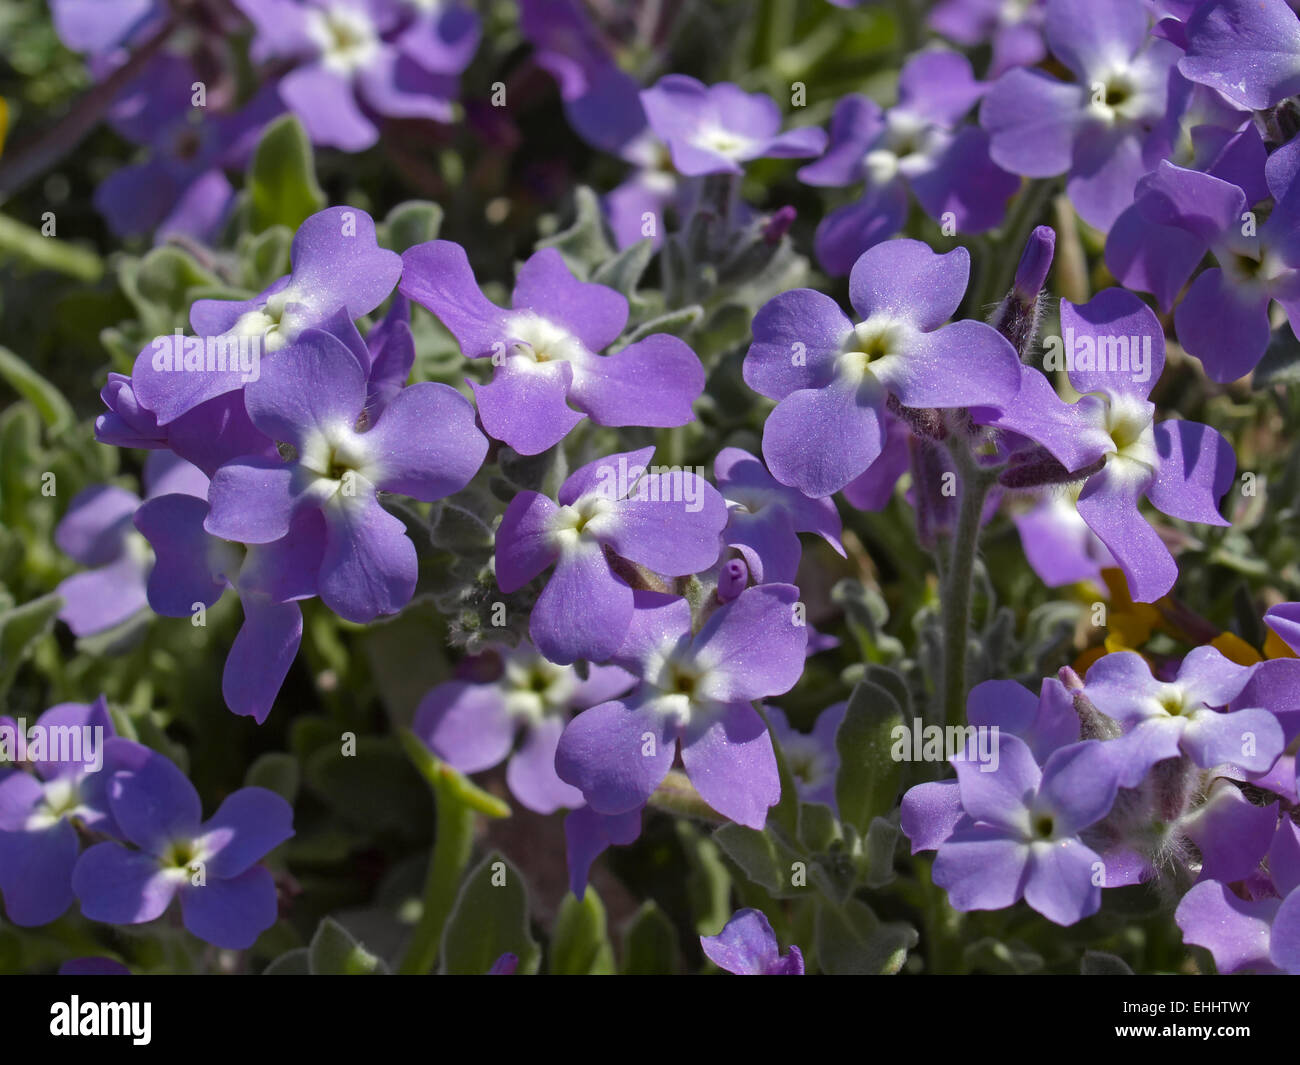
x=779 y=224
x=1017 y=316
x=1035 y=262
x=732 y=579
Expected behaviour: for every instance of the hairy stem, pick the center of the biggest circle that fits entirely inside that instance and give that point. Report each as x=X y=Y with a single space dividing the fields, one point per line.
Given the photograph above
x=958 y=577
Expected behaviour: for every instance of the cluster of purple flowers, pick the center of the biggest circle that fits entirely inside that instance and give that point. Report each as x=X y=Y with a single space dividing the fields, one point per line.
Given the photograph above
x=664 y=607
x=1180 y=777
x=341 y=66
x=119 y=827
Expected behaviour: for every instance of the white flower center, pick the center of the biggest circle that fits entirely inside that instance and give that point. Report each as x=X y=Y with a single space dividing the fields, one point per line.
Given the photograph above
x=714 y=138
x=539 y=340
x=62 y=798
x=535 y=686
x=337 y=459
x=345 y=36
x=879 y=337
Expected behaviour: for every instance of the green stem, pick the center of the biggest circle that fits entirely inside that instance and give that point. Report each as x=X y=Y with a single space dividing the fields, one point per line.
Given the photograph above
x=457 y=801
x=1031 y=209
x=451 y=854
x=48 y=253
x=959 y=577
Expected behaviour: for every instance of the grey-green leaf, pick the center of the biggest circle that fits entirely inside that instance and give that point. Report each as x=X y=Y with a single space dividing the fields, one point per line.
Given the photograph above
x=869 y=778
x=490 y=919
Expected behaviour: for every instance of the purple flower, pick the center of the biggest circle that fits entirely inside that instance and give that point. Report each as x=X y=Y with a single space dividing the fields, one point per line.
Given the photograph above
x=1249 y=50
x=696 y=689
x=588 y=834
x=357 y=58
x=313 y=397
x=668 y=520
x=1114 y=349
x=1058 y=544
x=1203 y=133
x=208 y=435
x=1184 y=715
x=97 y=532
x=1013 y=30
x=505 y=965
x=193 y=569
x=603 y=105
x=812 y=756
x=98 y=27
x=747 y=946
x=1274 y=684
x=339 y=271
x=1098 y=129
x=713 y=129
x=1284 y=619
x=1046 y=721
x=39 y=811
x=1019 y=831
x=546 y=350
x=765 y=517
x=832 y=377
x=1243 y=929
x=441 y=37
x=517 y=715
x=226 y=898
x=1224 y=317
x=181 y=187
x=919 y=144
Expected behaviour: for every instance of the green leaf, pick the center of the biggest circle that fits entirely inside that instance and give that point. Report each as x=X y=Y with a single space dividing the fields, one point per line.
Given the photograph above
x=892 y=681
x=373 y=790
x=650 y=943
x=54 y=410
x=994 y=956
x=677 y=323
x=818 y=828
x=709 y=881
x=584 y=243
x=282 y=178
x=410 y=223
x=277 y=772
x=1099 y=963
x=295 y=962
x=33 y=248
x=852 y=941
x=879 y=847
x=624 y=271
x=490 y=919
x=1281 y=362
x=580 y=945
x=869 y=778
x=760 y=856
x=265 y=256
x=21 y=627
x=333 y=952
